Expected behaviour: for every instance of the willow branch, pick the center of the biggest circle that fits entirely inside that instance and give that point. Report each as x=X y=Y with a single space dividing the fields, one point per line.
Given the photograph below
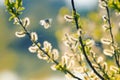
x=111 y=34
x=81 y=42
x=36 y=43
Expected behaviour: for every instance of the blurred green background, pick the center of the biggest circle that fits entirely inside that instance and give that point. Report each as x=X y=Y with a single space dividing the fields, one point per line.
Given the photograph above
x=15 y=59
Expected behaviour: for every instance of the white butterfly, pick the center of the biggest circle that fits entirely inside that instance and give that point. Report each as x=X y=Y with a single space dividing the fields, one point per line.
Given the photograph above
x=46 y=23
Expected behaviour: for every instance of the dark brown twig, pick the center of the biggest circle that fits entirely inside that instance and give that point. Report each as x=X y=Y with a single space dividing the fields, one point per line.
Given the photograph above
x=81 y=42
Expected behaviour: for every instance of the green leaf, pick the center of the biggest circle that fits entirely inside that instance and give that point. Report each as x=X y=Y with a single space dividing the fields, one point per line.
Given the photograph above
x=16 y=4
x=14 y=8
x=7 y=2
x=11 y=18
x=114 y=4
x=19 y=3
x=20 y=9
x=58 y=67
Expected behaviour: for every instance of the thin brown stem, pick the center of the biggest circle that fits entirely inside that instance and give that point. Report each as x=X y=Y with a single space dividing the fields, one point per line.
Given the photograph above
x=111 y=34
x=81 y=42
x=109 y=22
x=87 y=59
x=74 y=13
